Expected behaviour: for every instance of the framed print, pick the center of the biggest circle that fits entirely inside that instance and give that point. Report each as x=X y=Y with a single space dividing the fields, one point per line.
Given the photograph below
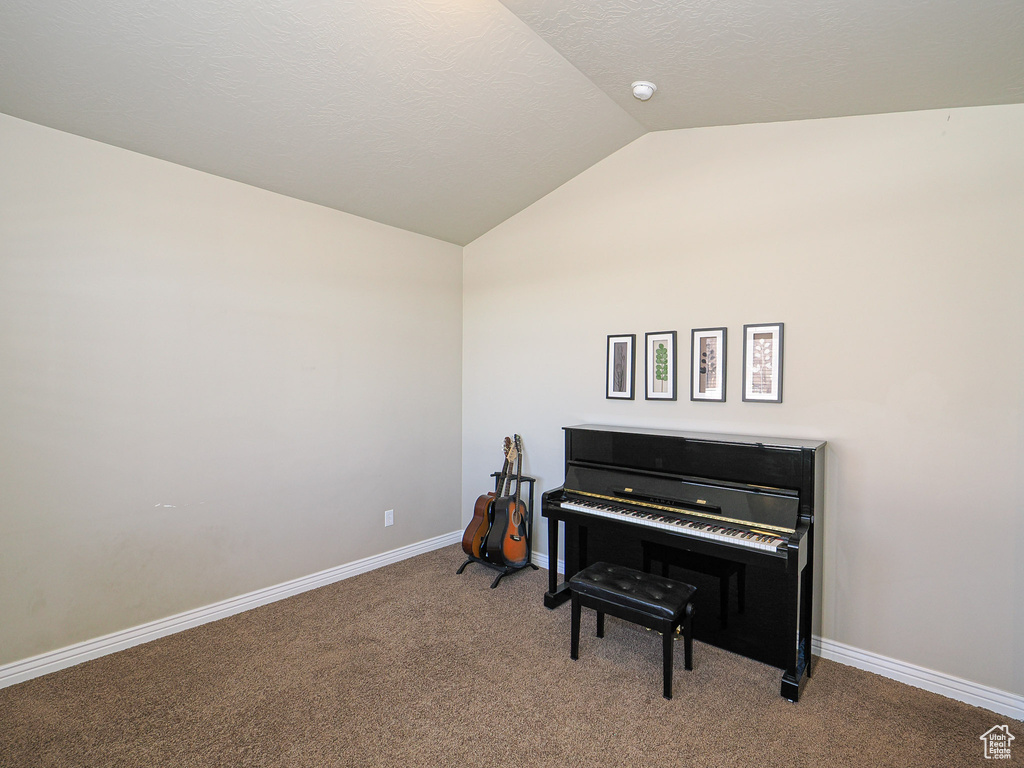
x=620 y=365
x=762 y=363
x=660 y=369
x=707 y=364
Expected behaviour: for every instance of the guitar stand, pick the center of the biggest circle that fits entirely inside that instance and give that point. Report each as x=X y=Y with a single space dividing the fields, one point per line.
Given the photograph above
x=505 y=570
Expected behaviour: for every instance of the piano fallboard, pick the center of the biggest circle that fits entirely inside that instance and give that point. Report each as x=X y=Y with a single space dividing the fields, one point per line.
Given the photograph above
x=771 y=509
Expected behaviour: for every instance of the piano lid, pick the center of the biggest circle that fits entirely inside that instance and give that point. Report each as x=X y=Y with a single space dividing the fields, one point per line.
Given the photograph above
x=761 y=461
x=706 y=437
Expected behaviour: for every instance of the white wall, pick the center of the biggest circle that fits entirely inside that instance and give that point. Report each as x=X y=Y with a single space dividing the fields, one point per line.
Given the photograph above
x=205 y=389
x=892 y=247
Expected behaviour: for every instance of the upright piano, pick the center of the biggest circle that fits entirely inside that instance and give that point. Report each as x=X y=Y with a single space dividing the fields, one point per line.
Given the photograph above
x=716 y=511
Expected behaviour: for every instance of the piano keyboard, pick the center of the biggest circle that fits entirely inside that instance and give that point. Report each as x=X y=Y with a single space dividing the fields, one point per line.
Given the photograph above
x=709 y=530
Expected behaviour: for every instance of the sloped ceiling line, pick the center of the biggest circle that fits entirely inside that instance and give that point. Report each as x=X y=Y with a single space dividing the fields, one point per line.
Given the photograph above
x=445 y=117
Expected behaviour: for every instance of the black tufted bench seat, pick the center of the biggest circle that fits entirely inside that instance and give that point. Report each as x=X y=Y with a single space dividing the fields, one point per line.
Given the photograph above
x=644 y=598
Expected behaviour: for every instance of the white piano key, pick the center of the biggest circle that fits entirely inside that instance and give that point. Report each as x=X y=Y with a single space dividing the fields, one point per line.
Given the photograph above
x=735 y=536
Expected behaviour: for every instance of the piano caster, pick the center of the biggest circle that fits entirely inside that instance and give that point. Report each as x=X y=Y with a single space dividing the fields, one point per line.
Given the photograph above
x=792 y=688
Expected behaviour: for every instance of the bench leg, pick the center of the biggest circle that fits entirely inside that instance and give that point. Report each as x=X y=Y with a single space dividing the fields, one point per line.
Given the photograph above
x=574 y=643
x=666 y=652
x=600 y=623
x=688 y=636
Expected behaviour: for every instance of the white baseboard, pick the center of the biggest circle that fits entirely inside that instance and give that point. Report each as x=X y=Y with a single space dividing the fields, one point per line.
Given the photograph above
x=541 y=561
x=984 y=696
x=44 y=663
x=1004 y=703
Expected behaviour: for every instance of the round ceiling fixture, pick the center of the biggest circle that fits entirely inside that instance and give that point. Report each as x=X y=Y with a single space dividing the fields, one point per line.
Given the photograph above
x=643 y=90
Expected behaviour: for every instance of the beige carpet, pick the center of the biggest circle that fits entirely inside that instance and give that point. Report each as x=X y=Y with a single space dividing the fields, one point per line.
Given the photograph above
x=411 y=665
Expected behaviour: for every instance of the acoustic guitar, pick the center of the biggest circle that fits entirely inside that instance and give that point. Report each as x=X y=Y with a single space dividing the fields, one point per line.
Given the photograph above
x=515 y=546
x=506 y=541
x=483 y=513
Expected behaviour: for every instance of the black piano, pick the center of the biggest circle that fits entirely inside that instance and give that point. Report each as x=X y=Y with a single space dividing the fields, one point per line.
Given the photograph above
x=732 y=515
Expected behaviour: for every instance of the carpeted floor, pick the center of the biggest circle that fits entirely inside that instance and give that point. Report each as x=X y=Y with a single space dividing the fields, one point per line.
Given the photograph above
x=411 y=665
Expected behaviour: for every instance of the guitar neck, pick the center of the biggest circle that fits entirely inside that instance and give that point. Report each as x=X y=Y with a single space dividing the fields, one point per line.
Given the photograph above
x=502 y=482
x=519 y=467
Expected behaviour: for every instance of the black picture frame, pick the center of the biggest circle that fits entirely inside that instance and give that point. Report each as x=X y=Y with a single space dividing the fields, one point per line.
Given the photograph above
x=620 y=367
x=660 y=371
x=708 y=358
x=762 y=363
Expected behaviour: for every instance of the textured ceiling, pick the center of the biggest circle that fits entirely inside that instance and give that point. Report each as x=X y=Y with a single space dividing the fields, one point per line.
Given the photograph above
x=445 y=117
x=722 y=62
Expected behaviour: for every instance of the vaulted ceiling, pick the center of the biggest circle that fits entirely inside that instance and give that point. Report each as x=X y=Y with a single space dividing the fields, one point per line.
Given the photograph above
x=445 y=117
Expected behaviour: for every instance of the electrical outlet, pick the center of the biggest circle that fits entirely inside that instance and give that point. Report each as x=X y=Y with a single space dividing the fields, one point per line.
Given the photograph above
x=389 y=517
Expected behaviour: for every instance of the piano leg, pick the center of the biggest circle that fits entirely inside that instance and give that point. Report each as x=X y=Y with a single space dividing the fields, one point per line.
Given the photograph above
x=557 y=593
x=552 y=556
x=796 y=674
x=806 y=616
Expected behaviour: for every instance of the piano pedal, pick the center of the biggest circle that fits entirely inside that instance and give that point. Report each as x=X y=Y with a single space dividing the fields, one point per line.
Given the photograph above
x=678 y=631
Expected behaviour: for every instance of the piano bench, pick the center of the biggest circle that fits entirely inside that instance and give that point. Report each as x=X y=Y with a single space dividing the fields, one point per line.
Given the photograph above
x=646 y=599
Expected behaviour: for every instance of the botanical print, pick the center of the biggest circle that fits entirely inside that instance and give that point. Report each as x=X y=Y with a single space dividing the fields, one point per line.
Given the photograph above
x=620 y=362
x=661 y=365
x=661 y=368
x=761 y=381
x=708 y=364
x=762 y=363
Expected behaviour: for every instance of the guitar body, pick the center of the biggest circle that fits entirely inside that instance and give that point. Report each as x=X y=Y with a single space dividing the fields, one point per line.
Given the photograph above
x=476 y=531
x=495 y=537
x=513 y=541
x=483 y=512
x=506 y=541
